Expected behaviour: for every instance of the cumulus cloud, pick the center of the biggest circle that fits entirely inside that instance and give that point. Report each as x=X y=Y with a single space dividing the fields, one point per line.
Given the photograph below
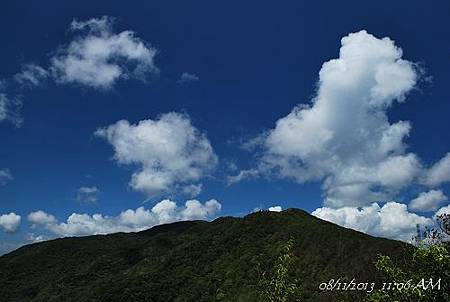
x=41 y=218
x=275 y=209
x=88 y=194
x=10 y=109
x=439 y=173
x=97 y=57
x=391 y=221
x=10 y=222
x=344 y=137
x=194 y=209
x=166 y=211
x=31 y=75
x=170 y=153
x=187 y=78
x=428 y=201
x=5 y=176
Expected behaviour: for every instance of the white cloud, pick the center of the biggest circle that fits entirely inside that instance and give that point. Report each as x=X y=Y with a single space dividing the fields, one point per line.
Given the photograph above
x=95 y=57
x=439 y=173
x=194 y=209
x=344 y=138
x=31 y=75
x=32 y=237
x=275 y=209
x=88 y=194
x=166 y=211
x=192 y=190
x=98 y=57
x=41 y=218
x=5 y=176
x=428 y=201
x=187 y=78
x=10 y=109
x=391 y=221
x=10 y=222
x=172 y=155
x=242 y=175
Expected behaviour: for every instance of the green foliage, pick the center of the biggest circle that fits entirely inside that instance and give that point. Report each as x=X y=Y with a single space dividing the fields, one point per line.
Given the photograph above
x=426 y=278
x=277 y=285
x=192 y=261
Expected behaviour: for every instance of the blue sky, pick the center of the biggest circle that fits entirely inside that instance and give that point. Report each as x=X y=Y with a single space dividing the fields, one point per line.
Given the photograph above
x=246 y=66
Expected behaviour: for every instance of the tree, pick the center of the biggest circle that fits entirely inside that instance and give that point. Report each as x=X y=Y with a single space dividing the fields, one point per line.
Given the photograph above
x=276 y=286
x=427 y=277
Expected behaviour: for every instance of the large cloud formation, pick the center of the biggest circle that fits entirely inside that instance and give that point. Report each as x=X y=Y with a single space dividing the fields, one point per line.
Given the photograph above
x=10 y=222
x=345 y=140
x=344 y=137
x=98 y=57
x=172 y=155
x=166 y=211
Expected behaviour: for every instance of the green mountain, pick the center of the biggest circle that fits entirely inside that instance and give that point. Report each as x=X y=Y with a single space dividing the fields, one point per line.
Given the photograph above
x=196 y=261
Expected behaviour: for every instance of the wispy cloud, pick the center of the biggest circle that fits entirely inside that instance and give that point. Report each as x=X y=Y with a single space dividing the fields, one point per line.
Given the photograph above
x=10 y=109
x=5 y=176
x=31 y=75
x=88 y=194
x=188 y=78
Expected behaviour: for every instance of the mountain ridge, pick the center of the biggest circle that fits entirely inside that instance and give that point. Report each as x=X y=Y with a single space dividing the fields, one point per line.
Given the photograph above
x=192 y=261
